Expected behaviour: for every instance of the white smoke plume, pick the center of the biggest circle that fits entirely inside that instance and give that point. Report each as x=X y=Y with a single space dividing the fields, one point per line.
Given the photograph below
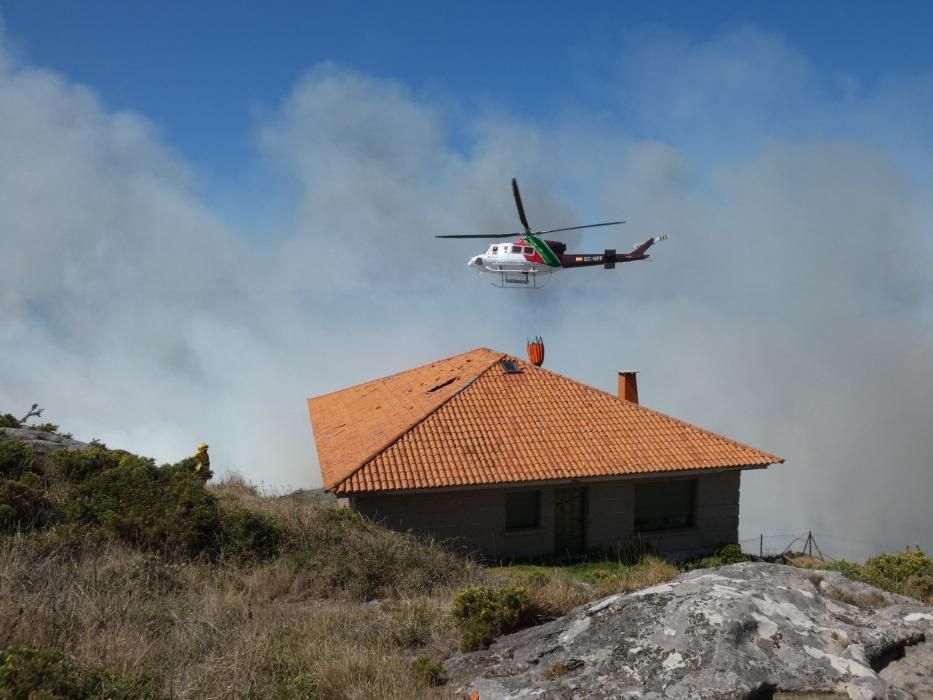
x=791 y=309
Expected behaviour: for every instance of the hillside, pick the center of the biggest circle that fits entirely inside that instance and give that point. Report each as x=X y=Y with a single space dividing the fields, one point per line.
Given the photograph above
x=123 y=578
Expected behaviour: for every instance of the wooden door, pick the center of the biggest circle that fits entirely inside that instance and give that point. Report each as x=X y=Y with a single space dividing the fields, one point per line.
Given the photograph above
x=569 y=521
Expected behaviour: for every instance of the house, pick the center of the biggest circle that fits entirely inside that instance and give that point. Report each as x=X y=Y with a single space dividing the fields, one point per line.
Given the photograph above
x=516 y=462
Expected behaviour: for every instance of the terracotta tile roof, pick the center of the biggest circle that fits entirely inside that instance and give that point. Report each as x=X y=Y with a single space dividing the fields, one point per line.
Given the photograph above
x=352 y=425
x=482 y=425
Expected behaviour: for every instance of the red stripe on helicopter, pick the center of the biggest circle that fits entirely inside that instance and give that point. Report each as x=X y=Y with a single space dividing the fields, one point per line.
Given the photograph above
x=535 y=257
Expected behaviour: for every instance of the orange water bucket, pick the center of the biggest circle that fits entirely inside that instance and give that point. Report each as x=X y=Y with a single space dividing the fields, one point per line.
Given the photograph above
x=536 y=351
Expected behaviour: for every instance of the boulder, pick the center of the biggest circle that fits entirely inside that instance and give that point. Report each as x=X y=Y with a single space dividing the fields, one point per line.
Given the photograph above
x=43 y=441
x=750 y=630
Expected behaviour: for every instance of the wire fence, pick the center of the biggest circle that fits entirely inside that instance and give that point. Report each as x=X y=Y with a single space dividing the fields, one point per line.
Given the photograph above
x=766 y=546
x=823 y=545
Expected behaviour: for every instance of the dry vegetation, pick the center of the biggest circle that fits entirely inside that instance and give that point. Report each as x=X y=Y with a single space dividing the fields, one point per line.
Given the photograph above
x=164 y=586
x=341 y=612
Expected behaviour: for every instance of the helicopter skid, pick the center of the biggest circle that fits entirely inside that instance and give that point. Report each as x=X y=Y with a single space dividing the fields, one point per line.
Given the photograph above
x=523 y=279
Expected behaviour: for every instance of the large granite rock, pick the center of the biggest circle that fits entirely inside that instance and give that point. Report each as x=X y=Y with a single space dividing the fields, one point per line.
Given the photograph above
x=742 y=631
x=42 y=441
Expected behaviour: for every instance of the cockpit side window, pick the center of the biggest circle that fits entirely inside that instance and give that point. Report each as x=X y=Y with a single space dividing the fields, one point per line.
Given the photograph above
x=529 y=250
x=516 y=249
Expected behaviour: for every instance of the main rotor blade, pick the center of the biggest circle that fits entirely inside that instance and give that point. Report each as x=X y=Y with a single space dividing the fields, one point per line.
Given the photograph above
x=481 y=235
x=518 y=203
x=574 y=228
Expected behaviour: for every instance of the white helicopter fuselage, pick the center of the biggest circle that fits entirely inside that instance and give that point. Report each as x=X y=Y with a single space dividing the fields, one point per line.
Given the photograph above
x=510 y=257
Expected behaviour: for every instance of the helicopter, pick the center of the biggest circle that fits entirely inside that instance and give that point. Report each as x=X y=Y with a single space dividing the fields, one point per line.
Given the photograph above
x=529 y=261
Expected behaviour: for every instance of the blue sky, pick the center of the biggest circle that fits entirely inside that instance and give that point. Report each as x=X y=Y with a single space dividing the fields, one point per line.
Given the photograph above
x=202 y=71
x=210 y=211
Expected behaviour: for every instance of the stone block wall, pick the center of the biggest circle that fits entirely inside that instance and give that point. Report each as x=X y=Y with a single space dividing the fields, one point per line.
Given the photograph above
x=475 y=518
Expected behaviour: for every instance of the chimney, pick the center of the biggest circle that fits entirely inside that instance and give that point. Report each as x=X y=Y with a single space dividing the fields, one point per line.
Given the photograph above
x=628 y=386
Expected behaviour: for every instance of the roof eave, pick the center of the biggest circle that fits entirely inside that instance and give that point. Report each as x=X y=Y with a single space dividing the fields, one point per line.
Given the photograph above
x=550 y=482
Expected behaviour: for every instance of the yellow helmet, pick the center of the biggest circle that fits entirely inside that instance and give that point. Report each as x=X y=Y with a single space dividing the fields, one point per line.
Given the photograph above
x=202 y=446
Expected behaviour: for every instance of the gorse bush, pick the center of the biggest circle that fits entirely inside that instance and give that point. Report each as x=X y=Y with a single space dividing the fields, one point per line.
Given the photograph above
x=156 y=508
x=126 y=497
x=169 y=510
x=728 y=554
x=23 y=505
x=896 y=569
x=16 y=459
x=484 y=613
x=732 y=554
x=247 y=534
x=908 y=573
x=78 y=466
x=8 y=420
x=26 y=672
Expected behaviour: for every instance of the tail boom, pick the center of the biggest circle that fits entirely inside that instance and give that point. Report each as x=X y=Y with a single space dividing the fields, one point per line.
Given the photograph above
x=609 y=257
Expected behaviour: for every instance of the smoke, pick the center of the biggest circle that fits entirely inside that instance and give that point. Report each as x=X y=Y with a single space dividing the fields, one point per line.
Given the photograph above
x=791 y=310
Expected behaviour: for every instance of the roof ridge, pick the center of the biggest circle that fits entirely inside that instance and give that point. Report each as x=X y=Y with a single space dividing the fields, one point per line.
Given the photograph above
x=678 y=421
x=388 y=445
x=401 y=372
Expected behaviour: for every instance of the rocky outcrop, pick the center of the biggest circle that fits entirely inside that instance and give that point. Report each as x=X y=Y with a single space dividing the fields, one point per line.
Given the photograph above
x=43 y=441
x=749 y=630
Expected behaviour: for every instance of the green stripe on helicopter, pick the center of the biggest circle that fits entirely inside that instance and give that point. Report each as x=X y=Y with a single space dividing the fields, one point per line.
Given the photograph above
x=543 y=250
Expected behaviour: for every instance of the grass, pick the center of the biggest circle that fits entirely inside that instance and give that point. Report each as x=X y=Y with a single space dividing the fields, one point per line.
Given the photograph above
x=562 y=588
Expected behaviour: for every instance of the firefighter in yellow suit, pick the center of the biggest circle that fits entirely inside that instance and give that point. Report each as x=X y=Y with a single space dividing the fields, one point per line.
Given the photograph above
x=203 y=459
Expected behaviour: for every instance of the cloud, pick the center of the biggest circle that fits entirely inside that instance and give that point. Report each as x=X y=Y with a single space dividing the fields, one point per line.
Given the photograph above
x=791 y=309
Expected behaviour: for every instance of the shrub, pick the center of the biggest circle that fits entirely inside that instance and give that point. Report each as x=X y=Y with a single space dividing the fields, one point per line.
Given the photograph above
x=63 y=538
x=16 y=459
x=26 y=672
x=8 y=420
x=891 y=571
x=194 y=466
x=908 y=573
x=249 y=535
x=77 y=466
x=164 y=509
x=846 y=568
x=727 y=554
x=732 y=554
x=484 y=613
x=23 y=505
x=428 y=672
